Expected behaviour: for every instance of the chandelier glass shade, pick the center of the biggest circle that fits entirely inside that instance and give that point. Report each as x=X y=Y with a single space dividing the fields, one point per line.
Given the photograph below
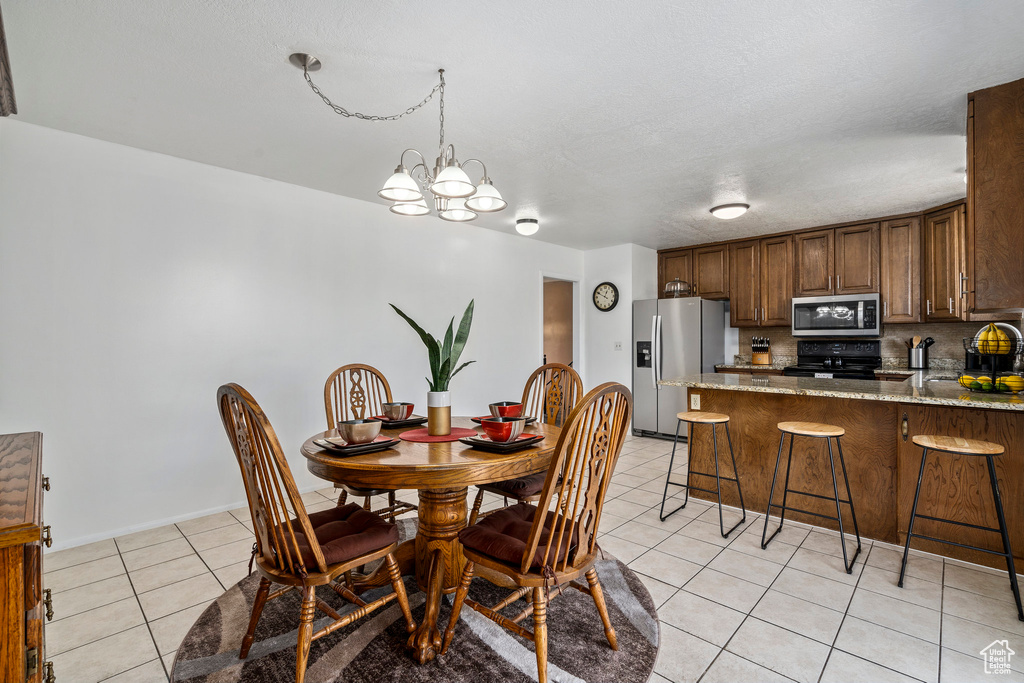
x=454 y=195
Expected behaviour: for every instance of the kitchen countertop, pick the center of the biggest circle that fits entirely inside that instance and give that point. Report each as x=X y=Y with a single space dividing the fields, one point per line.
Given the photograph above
x=916 y=389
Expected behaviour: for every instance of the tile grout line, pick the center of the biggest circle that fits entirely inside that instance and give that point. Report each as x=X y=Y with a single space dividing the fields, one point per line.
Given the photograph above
x=145 y=619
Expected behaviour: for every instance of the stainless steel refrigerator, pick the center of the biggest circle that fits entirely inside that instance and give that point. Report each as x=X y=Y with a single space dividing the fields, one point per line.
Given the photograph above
x=671 y=338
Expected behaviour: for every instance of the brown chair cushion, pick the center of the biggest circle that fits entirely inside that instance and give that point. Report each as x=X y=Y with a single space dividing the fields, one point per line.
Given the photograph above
x=523 y=487
x=503 y=535
x=344 y=533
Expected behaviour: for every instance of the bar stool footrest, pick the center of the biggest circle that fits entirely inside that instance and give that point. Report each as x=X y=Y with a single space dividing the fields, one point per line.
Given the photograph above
x=961 y=545
x=953 y=521
x=705 y=474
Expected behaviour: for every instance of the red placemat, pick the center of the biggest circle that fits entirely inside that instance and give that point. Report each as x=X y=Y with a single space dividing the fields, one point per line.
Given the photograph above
x=422 y=436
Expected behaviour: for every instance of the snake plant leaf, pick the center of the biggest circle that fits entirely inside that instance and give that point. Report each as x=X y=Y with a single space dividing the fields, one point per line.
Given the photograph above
x=419 y=330
x=434 y=354
x=460 y=367
x=444 y=376
x=446 y=349
x=463 y=335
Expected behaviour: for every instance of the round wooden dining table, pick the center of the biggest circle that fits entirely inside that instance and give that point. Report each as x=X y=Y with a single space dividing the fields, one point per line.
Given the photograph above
x=441 y=472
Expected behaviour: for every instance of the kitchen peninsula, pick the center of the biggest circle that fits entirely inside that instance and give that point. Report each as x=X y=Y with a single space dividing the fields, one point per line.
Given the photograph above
x=880 y=418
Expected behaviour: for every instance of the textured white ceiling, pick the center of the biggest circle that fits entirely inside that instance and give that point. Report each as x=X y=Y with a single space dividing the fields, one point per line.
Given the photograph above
x=612 y=121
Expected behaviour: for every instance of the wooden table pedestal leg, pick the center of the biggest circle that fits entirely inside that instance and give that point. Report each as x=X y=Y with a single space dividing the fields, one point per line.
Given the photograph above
x=439 y=562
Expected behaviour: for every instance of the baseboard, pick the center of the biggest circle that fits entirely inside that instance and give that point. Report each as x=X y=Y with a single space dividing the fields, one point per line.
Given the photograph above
x=123 y=531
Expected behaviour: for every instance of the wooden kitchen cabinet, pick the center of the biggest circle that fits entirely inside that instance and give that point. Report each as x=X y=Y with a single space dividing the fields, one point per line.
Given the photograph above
x=745 y=283
x=995 y=202
x=711 y=271
x=943 y=264
x=776 y=281
x=856 y=259
x=900 y=272
x=674 y=264
x=814 y=263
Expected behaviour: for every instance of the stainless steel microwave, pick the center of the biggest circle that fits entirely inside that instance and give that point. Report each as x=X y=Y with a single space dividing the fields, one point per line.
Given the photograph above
x=854 y=315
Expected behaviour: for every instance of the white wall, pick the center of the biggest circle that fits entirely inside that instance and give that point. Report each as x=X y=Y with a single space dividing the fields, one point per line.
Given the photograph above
x=133 y=284
x=633 y=270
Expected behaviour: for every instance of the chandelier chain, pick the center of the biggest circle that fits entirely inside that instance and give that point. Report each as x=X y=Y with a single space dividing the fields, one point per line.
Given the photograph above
x=373 y=117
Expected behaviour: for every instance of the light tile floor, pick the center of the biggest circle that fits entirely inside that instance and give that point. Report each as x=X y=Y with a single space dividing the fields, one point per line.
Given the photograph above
x=729 y=610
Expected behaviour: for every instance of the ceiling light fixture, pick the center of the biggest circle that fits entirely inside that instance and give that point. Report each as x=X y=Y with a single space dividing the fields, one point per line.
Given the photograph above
x=727 y=211
x=455 y=197
x=527 y=226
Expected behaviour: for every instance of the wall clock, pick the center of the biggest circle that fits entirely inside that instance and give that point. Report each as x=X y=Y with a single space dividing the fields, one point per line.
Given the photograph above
x=606 y=295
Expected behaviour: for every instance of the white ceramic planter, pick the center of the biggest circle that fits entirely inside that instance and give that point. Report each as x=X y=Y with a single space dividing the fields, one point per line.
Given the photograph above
x=439 y=413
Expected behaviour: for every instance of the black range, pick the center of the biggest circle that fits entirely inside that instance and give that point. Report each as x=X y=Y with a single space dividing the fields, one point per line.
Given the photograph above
x=837 y=359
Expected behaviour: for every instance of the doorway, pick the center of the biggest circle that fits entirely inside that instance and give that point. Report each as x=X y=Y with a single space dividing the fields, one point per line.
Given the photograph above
x=559 y=328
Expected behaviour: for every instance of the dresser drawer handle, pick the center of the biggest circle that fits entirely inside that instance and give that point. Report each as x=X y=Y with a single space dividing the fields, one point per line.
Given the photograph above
x=48 y=601
x=49 y=677
x=46 y=483
x=47 y=539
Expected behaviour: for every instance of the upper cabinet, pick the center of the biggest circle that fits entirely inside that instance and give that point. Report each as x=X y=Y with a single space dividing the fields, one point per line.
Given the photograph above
x=815 y=268
x=995 y=202
x=761 y=282
x=674 y=264
x=837 y=261
x=776 y=281
x=900 y=250
x=943 y=265
x=711 y=271
x=745 y=284
x=857 y=259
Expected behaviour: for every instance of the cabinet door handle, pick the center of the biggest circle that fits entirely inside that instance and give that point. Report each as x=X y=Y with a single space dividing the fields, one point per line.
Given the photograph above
x=48 y=601
x=830 y=282
x=762 y=314
x=839 y=281
x=46 y=483
x=950 y=304
x=928 y=306
x=885 y=309
x=963 y=285
x=47 y=539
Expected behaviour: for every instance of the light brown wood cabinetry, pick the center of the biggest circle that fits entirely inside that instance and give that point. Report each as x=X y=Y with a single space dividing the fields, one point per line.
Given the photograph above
x=900 y=276
x=776 y=281
x=856 y=259
x=943 y=264
x=995 y=202
x=815 y=267
x=761 y=282
x=837 y=261
x=745 y=285
x=711 y=271
x=21 y=558
x=674 y=264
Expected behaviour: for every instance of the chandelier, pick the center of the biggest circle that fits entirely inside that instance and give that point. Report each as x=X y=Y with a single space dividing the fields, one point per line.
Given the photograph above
x=454 y=196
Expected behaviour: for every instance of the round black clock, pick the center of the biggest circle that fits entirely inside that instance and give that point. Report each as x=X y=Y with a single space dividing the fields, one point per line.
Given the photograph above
x=606 y=295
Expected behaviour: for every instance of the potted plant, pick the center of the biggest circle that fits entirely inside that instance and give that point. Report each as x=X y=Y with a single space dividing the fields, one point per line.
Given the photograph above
x=444 y=358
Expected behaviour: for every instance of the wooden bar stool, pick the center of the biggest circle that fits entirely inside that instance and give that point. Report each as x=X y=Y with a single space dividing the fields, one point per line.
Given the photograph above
x=816 y=431
x=713 y=419
x=970 y=447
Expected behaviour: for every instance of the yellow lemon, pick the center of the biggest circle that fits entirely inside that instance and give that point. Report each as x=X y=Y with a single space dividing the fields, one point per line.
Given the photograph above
x=1014 y=382
x=983 y=378
x=965 y=380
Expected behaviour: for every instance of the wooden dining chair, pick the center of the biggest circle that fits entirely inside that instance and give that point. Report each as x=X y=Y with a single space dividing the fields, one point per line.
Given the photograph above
x=356 y=392
x=551 y=393
x=543 y=549
x=295 y=549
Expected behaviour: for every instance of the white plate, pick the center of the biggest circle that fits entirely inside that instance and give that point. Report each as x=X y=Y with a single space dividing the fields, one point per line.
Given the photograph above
x=1010 y=331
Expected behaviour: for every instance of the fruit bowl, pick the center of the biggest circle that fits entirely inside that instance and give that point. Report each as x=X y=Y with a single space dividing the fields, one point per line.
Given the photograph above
x=1000 y=384
x=995 y=339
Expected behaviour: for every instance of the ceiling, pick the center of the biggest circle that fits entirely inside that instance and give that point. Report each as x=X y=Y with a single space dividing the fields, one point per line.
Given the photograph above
x=612 y=122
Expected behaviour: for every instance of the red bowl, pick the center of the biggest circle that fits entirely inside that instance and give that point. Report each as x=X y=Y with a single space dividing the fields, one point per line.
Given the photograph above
x=397 y=411
x=506 y=409
x=503 y=429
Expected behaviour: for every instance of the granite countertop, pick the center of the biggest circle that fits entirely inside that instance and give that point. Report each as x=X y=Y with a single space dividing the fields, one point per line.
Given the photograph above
x=941 y=368
x=919 y=388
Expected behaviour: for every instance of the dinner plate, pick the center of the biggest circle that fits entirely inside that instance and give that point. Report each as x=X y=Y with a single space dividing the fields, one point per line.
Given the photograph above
x=336 y=446
x=529 y=420
x=484 y=443
x=398 y=424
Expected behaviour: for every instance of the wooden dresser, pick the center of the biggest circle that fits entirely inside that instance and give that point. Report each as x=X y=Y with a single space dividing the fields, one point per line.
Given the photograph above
x=22 y=534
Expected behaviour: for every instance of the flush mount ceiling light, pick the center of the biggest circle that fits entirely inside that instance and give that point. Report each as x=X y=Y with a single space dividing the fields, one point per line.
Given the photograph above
x=527 y=226
x=454 y=195
x=727 y=211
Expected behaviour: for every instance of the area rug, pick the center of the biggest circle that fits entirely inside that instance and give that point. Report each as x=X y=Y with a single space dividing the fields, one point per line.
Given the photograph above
x=372 y=650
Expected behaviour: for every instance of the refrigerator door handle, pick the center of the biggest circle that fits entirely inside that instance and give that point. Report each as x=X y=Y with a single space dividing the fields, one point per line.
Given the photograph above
x=657 y=346
x=654 y=351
